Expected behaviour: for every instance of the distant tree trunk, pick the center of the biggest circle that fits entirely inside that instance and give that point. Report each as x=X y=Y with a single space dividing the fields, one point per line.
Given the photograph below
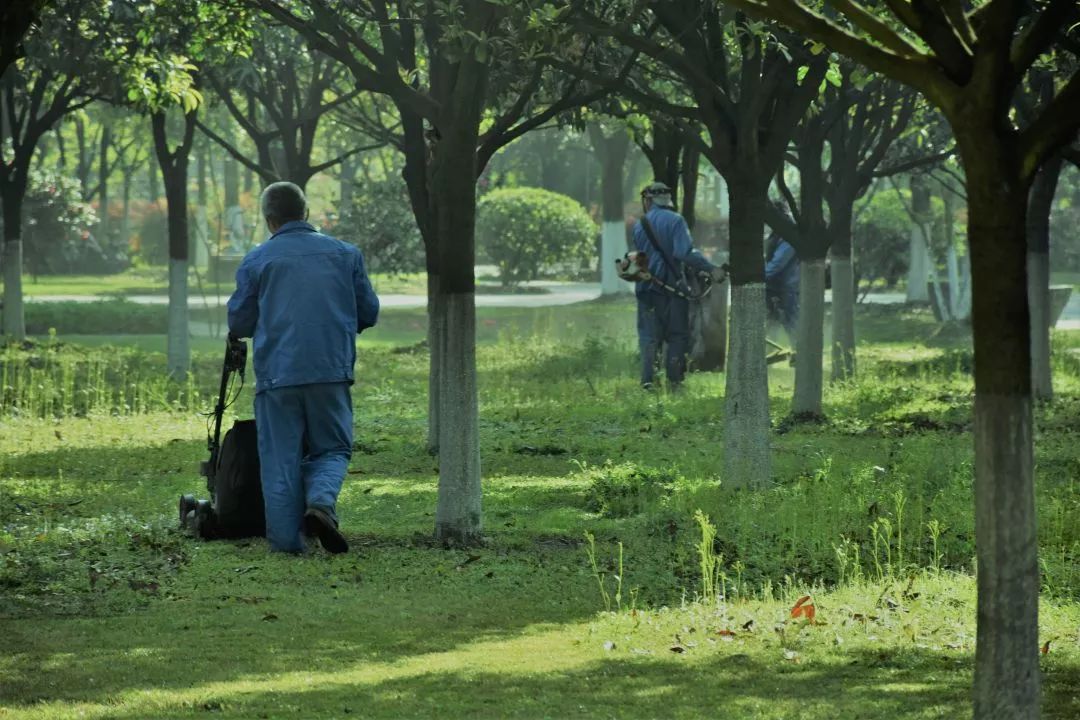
x=1038 y=263
x=103 y=185
x=612 y=153
x=920 y=265
x=348 y=178
x=14 y=321
x=843 y=298
x=153 y=186
x=125 y=218
x=236 y=235
x=746 y=418
x=458 y=510
x=691 y=162
x=1006 y=649
x=810 y=343
x=174 y=171
x=202 y=220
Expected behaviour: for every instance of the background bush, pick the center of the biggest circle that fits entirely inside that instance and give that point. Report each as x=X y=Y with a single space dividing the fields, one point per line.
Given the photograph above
x=380 y=222
x=58 y=230
x=107 y=317
x=524 y=231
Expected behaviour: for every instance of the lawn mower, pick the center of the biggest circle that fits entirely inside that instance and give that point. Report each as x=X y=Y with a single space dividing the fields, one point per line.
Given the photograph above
x=235 y=508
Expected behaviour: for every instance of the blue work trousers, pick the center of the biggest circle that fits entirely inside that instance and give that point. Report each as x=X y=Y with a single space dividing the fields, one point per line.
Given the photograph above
x=305 y=444
x=663 y=319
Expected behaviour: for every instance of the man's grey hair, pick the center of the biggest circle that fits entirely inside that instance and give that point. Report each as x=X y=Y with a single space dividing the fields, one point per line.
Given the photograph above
x=283 y=202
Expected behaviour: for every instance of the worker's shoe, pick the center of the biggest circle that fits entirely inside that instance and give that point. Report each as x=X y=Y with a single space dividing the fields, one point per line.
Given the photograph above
x=321 y=524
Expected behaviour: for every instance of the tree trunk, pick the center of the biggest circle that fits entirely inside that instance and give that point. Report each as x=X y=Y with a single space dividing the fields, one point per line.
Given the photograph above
x=153 y=188
x=14 y=325
x=103 y=183
x=436 y=332
x=810 y=344
x=202 y=221
x=178 y=354
x=746 y=414
x=691 y=162
x=612 y=152
x=843 y=300
x=457 y=513
x=348 y=177
x=236 y=235
x=1038 y=259
x=919 y=267
x=843 y=318
x=174 y=172
x=125 y=217
x=1006 y=654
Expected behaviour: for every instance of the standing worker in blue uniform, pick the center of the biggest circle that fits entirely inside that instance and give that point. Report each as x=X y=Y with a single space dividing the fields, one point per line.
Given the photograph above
x=303 y=297
x=663 y=317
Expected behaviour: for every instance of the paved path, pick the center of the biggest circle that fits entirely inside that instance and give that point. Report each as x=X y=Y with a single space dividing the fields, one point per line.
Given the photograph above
x=557 y=294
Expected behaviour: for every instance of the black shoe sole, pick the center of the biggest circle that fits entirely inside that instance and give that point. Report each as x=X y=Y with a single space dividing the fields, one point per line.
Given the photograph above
x=317 y=524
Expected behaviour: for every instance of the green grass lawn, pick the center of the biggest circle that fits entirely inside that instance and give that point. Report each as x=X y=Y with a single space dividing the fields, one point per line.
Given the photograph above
x=106 y=611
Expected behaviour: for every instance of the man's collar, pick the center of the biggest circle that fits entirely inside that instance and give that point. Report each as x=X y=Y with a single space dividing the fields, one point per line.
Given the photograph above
x=293 y=226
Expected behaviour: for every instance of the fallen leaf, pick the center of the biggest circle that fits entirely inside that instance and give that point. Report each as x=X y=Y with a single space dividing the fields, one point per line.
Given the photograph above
x=678 y=649
x=58 y=435
x=791 y=656
x=748 y=626
x=727 y=635
x=609 y=645
x=268 y=617
x=1045 y=648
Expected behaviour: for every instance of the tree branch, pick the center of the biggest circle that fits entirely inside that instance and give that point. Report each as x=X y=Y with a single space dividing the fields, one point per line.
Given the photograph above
x=1055 y=127
x=915 y=71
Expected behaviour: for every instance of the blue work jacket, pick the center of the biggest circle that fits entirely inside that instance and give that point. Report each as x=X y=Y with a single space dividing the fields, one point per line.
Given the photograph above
x=303 y=297
x=782 y=269
x=673 y=235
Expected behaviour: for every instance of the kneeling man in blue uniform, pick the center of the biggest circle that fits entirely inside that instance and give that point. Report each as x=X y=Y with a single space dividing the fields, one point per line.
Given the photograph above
x=303 y=297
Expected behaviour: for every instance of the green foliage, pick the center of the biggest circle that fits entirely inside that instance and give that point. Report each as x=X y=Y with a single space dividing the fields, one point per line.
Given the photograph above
x=525 y=230
x=625 y=489
x=105 y=317
x=381 y=223
x=57 y=229
x=880 y=237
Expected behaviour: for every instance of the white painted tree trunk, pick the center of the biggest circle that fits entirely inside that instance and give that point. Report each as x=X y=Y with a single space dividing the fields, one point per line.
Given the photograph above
x=1038 y=277
x=1007 y=638
x=952 y=267
x=919 y=265
x=843 y=319
x=612 y=248
x=178 y=356
x=14 y=319
x=962 y=311
x=457 y=514
x=810 y=354
x=746 y=404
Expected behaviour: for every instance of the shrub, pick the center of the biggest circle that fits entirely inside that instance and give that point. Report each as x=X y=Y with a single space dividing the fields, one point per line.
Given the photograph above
x=57 y=229
x=525 y=230
x=381 y=223
x=624 y=490
x=107 y=317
